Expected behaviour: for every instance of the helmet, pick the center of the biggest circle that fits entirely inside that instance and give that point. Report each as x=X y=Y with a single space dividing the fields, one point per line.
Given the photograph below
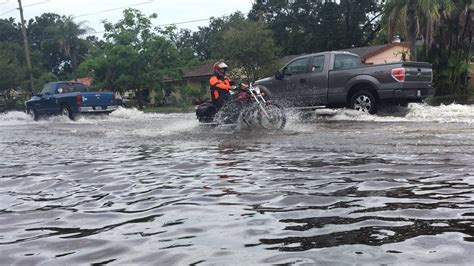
x=220 y=68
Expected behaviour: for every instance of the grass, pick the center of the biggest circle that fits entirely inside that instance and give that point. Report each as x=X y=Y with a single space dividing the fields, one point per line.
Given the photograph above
x=169 y=109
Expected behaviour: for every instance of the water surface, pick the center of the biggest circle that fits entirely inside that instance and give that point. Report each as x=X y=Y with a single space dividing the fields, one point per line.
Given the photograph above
x=335 y=187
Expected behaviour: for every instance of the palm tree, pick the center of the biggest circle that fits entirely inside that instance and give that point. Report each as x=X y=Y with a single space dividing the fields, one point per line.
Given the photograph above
x=415 y=18
x=68 y=38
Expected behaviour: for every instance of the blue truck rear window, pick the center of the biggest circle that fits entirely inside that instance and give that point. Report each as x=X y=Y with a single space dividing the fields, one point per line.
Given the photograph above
x=71 y=87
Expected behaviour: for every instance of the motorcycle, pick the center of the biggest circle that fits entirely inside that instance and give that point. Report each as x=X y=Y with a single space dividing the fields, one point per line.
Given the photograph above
x=250 y=106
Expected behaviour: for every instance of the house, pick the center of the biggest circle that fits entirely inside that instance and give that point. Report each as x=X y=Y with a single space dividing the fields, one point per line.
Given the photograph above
x=85 y=80
x=373 y=55
x=381 y=54
x=196 y=77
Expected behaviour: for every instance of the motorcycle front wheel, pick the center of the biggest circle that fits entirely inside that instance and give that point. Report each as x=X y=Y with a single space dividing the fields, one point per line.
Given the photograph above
x=273 y=118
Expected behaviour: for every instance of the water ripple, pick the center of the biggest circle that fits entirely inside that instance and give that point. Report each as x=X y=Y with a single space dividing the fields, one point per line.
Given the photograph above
x=145 y=189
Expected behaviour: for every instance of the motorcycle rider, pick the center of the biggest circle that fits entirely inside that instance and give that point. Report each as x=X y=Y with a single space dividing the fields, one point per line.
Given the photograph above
x=220 y=85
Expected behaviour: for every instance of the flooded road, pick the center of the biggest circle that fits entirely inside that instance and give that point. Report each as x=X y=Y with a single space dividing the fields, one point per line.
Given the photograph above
x=337 y=187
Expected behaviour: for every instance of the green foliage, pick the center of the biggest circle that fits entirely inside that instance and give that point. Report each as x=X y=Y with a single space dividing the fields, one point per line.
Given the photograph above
x=249 y=47
x=444 y=26
x=454 y=76
x=411 y=19
x=9 y=31
x=12 y=71
x=58 y=40
x=134 y=55
x=44 y=78
x=189 y=95
x=313 y=26
x=207 y=41
x=450 y=71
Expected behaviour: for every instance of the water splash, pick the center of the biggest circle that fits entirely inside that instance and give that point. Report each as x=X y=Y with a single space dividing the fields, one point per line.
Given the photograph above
x=415 y=112
x=132 y=113
x=15 y=118
x=453 y=113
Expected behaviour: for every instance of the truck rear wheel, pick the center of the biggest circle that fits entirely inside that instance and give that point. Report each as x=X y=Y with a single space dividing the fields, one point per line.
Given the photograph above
x=66 y=111
x=364 y=101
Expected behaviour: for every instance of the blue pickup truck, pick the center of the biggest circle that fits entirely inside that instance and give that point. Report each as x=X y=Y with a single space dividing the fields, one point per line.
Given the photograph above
x=69 y=99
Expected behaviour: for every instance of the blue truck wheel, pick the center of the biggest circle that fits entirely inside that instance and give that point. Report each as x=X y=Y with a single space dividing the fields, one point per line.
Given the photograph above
x=66 y=111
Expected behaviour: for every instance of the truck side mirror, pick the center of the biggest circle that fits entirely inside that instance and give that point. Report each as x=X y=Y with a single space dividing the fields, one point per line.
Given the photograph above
x=279 y=74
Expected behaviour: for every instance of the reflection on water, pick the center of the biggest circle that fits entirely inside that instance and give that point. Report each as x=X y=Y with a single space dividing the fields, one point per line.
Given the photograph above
x=139 y=188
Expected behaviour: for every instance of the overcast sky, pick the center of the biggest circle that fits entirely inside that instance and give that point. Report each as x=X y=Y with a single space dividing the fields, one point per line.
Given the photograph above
x=169 y=11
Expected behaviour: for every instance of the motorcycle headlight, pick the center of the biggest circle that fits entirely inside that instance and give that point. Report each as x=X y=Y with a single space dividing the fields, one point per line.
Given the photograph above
x=257 y=90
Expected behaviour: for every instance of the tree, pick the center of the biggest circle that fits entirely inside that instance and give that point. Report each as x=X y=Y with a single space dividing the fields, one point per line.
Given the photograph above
x=207 y=40
x=446 y=30
x=184 y=42
x=414 y=17
x=12 y=70
x=9 y=31
x=312 y=26
x=68 y=38
x=134 y=56
x=41 y=33
x=450 y=48
x=249 y=46
x=58 y=39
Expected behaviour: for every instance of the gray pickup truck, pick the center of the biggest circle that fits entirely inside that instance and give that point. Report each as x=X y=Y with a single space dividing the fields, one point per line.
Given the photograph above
x=335 y=79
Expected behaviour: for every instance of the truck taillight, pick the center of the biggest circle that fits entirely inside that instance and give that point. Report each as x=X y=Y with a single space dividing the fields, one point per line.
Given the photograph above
x=398 y=74
x=79 y=99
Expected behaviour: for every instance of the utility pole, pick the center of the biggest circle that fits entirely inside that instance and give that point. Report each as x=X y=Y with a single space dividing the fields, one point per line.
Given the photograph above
x=27 y=50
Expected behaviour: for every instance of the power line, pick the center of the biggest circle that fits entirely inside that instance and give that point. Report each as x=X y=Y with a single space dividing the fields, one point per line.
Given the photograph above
x=113 y=9
x=81 y=15
x=47 y=37
x=170 y=24
x=192 y=21
x=39 y=3
x=13 y=9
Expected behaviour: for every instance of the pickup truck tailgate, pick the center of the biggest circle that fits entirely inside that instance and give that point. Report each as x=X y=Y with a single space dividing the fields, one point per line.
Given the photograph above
x=97 y=99
x=417 y=72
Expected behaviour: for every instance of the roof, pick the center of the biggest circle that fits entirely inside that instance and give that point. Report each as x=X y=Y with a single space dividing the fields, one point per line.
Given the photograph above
x=364 y=51
x=86 y=81
x=199 y=71
x=369 y=51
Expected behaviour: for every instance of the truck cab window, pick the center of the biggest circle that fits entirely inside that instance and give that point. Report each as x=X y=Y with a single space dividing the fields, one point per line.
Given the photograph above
x=346 y=61
x=46 y=89
x=318 y=64
x=297 y=67
x=72 y=87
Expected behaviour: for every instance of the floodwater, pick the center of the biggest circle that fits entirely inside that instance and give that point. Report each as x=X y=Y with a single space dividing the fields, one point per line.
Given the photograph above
x=337 y=187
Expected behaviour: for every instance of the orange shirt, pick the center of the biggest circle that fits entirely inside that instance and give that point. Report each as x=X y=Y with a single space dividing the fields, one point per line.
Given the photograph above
x=219 y=84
